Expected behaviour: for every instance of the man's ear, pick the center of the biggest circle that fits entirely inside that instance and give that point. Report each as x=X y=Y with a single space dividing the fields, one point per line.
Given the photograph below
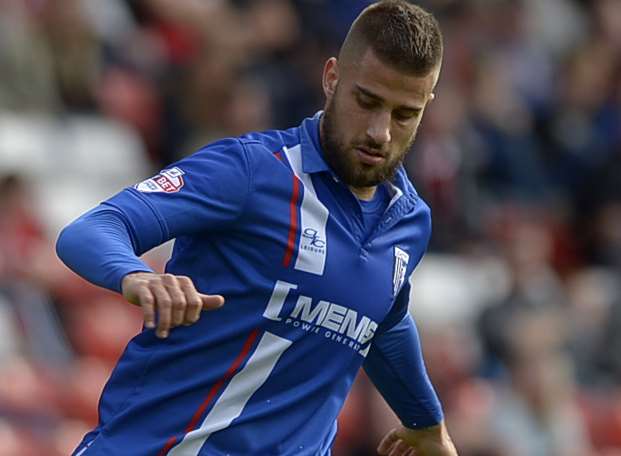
x=330 y=77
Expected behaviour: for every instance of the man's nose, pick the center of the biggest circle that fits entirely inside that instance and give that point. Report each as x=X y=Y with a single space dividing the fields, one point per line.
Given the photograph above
x=379 y=128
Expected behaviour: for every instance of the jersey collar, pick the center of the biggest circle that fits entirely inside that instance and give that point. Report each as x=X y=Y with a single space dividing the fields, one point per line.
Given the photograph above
x=312 y=154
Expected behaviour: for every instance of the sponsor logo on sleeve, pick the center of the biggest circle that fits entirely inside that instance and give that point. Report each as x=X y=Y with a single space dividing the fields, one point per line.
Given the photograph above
x=167 y=181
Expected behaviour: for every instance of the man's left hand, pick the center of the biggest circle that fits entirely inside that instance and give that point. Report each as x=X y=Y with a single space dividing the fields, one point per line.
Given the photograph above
x=431 y=441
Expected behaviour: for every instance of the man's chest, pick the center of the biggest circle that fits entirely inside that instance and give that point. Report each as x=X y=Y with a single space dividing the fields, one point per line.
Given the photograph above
x=305 y=234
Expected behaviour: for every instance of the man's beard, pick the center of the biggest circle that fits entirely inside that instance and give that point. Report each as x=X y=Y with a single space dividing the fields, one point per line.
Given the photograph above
x=343 y=158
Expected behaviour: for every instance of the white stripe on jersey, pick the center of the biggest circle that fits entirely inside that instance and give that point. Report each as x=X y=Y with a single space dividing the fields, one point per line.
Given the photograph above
x=235 y=396
x=313 y=245
x=277 y=300
x=396 y=194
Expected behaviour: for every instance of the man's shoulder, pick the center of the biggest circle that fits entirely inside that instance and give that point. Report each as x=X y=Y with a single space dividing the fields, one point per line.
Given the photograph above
x=416 y=213
x=252 y=148
x=417 y=204
x=271 y=140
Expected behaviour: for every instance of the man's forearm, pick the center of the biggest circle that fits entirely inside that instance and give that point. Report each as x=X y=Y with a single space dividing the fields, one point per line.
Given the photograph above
x=395 y=365
x=98 y=247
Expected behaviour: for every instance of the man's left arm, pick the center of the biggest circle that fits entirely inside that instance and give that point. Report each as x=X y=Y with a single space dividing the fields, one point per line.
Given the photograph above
x=395 y=365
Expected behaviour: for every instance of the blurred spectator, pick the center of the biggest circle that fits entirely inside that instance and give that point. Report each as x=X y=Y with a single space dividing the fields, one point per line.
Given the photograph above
x=593 y=312
x=534 y=288
x=27 y=82
x=536 y=412
x=21 y=233
x=75 y=52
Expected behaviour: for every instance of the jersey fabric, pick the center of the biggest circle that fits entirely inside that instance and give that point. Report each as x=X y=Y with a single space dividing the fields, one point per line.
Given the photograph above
x=373 y=209
x=311 y=294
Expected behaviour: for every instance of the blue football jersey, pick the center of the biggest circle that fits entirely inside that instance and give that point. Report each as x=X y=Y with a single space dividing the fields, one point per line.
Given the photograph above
x=261 y=220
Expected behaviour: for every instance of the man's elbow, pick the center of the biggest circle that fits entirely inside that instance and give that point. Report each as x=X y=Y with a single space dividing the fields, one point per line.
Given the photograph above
x=67 y=242
x=61 y=243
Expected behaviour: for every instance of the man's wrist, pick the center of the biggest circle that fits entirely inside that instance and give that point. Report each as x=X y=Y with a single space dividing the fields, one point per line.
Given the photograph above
x=433 y=439
x=128 y=275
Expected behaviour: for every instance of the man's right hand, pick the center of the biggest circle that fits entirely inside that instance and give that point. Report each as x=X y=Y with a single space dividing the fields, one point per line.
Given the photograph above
x=174 y=298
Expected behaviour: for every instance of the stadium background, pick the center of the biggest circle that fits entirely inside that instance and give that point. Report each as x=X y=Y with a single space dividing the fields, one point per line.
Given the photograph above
x=518 y=301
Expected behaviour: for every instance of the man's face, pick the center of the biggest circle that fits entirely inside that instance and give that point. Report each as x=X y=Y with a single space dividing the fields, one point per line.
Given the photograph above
x=371 y=116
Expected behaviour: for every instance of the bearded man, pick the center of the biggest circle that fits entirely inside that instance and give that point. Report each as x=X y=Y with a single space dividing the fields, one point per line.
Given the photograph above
x=311 y=235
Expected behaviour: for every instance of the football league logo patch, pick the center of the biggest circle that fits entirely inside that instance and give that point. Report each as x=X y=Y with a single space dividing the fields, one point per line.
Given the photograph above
x=167 y=181
x=401 y=266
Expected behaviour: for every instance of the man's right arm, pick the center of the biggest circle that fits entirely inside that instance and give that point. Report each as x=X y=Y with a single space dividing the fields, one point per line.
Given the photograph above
x=207 y=190
x=101 y=247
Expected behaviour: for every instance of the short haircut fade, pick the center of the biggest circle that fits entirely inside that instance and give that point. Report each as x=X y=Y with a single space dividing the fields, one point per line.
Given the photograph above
x=401 y=34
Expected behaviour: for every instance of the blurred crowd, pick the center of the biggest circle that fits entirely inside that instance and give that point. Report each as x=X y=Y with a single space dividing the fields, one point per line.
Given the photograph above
x=518 y=301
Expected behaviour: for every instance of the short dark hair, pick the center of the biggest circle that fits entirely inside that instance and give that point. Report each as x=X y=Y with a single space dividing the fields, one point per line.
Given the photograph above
x=400 y=33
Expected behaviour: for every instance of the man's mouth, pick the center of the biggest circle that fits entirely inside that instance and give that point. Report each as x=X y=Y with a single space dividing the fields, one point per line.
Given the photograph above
x=369 y=156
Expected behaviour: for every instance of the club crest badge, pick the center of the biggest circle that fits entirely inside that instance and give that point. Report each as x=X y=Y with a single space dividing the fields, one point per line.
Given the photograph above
x=167 y=181
x=400 y=268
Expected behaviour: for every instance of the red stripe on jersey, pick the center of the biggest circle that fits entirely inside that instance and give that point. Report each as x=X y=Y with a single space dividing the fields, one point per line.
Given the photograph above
x=293 y=222
x=215 y=389
x=169 y=444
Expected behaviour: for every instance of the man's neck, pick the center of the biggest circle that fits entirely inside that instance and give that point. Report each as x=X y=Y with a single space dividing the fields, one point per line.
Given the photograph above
x=364 y=193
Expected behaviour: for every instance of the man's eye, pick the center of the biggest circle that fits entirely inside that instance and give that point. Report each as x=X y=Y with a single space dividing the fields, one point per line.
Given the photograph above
x=366 y=103
x=404 y=117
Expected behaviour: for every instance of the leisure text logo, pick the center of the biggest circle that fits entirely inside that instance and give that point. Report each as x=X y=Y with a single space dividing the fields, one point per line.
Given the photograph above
x=313 y=241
